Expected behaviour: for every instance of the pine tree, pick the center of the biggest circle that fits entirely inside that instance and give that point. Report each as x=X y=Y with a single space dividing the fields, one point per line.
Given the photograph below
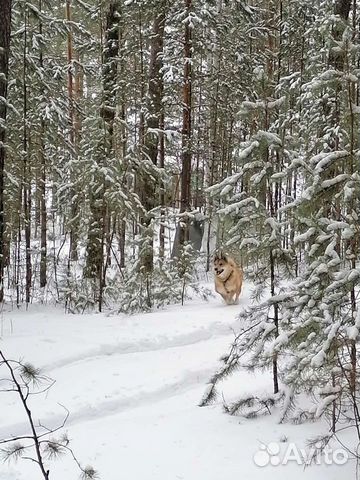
x=186 y=131
x=5 y=30
x=311 y=328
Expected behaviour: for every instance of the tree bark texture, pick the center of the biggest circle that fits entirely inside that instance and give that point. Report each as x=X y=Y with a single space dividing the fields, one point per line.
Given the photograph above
x=5 y=29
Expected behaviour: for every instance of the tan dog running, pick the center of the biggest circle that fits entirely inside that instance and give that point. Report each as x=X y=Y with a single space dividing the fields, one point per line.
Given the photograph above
x=228 y=278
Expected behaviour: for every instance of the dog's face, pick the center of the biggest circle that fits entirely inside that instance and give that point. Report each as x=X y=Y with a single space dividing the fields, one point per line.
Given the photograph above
x=221 y=266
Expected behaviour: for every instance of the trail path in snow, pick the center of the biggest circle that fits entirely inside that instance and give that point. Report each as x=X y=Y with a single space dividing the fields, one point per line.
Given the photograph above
x=132 y=385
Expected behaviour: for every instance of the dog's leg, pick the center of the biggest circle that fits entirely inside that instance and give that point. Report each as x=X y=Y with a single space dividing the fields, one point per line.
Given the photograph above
x=222 y=292
x=230 y=300
x=237 y=295
x=225 y=296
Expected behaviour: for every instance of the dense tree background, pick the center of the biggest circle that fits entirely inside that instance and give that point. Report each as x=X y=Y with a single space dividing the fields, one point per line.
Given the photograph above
x=133 y=126
x=136 y=133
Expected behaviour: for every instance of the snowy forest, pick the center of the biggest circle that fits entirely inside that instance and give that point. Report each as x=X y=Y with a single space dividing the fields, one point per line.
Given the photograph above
x=138 y=138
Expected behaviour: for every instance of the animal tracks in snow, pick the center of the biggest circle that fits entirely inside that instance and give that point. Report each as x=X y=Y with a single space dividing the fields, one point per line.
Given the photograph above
x=107 y=365
x=116 y=403
x=215 y=329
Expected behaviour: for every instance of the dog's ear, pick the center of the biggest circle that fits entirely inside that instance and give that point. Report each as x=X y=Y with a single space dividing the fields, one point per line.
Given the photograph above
x=220 y=255
x=216 y=256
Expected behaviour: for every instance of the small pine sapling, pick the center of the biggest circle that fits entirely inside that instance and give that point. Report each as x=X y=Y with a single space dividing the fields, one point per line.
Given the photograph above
x=40 y=444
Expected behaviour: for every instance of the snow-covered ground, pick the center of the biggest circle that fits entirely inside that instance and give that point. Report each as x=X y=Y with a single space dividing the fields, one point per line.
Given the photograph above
x=132 y=385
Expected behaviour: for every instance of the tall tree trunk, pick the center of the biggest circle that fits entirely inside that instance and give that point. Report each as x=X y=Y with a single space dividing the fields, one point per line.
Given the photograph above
x=96 y=234
x=5 y=29
x=155 y=87
x=341 y=9
x=123 y=137
x=43 y=213
x=186 y=129
x=215 y=60
x=153 y=119
x=78 y=95
x=162 y=190
x=74 y=221
x=26 y=171
x=42 y=182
